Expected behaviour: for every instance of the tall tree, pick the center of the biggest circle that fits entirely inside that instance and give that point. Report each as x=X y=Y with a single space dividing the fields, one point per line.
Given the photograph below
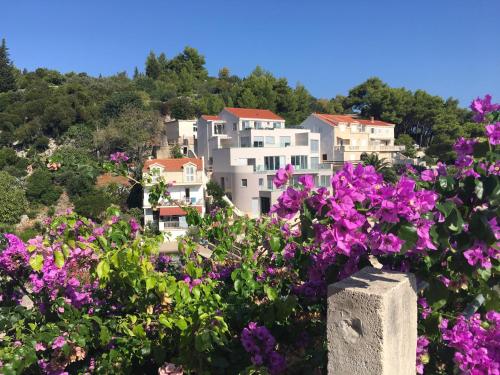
x=7 y=78
x=152 y=66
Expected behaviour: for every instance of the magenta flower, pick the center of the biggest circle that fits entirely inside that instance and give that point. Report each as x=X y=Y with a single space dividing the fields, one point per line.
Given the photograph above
x=493 y=133
x=283 y=175
x=118 y=157
x=261 y=345
x=481 y=107
x=58 y=342
x=464 y=146
x=429 y=175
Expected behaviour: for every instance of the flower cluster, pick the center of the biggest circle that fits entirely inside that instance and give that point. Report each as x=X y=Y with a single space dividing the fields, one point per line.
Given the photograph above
x=118 y=157
x=477 y=343
x=258 y=341
x=422 y=353
x=482 y=107
x=283 y=175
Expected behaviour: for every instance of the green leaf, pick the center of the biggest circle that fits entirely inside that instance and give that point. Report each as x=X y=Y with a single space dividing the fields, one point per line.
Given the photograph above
x=237 y=285
x=445 y=207
x=104 y=335
x=455 y=221
x=408 y=233
x=102 y=269
x=59 y=258
x=181 y=324
x=150 y=283
x=271 y=293
x=36 y=262
x=275 y=243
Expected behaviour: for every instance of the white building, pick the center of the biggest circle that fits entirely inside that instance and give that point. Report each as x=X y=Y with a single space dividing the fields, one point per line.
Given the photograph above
x=182 y=133
x=345 y=137
x=245 y=147
x=188 y=180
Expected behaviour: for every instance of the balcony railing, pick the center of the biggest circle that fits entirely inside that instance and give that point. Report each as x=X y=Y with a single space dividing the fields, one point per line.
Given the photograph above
x=369 y=148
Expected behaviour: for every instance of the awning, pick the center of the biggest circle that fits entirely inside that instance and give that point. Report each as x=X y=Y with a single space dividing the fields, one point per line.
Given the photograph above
x=176 y=211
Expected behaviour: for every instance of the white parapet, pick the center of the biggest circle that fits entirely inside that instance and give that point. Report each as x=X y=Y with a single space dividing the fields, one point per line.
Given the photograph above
x=372 y=324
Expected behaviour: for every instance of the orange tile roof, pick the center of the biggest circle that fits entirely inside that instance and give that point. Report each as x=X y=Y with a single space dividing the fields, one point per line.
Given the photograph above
x=210 y=117
x=264 y=114
x=173 y=165
x=335 y=119
x=176 y=211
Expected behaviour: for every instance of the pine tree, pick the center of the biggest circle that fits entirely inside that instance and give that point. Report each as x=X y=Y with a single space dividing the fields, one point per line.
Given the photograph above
x=152 y=66
x=7 y=79
x=136 y=73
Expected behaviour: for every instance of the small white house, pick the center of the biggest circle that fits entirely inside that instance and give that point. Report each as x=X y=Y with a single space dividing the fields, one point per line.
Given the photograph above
x=188 y=181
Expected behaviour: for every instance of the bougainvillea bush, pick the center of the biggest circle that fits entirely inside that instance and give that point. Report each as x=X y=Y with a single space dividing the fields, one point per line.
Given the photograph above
x=88 y=298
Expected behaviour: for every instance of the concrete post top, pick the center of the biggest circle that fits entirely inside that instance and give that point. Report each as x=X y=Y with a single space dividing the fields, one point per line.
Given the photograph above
x=373 y=281
x=372 y=324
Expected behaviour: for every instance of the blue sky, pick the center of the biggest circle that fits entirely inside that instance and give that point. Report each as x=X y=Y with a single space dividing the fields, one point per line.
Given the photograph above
x=447 y=47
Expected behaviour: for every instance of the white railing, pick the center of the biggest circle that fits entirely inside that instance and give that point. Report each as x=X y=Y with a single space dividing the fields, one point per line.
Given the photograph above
x=369 y=148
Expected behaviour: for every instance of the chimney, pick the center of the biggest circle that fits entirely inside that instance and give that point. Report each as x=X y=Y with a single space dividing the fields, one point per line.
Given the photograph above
x=372 y=119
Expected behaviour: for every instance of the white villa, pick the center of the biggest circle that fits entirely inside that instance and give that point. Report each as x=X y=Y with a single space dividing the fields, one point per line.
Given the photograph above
x=244 y=148
x=345 y=137
x=188 y=180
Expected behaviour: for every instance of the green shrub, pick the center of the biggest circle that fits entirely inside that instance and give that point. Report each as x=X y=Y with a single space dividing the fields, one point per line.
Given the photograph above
x=13 y=201
x=41 y=189
x=92 y=205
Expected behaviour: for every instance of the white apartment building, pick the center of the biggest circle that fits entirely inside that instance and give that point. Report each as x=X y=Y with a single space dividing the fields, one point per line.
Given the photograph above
x=182 y=133
x=188 y=180
x=345 y=137
x=245 y=147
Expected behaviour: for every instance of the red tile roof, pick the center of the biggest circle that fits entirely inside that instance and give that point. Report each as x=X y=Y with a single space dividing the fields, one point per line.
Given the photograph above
x=176 y=211
x=210 y=117
x=174 y=165
x=264 y=114
x=335 y=119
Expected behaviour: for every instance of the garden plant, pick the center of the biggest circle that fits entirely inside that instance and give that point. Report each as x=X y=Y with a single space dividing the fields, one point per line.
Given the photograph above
x=98 y=298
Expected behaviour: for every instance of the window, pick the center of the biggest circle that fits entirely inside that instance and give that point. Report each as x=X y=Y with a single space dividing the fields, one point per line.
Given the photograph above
x=235 y=126
x=244 y=141
x=324 y=181
x=261 y=182
x=270 y=140
x=299 y=161
x=277 y=125
x=223 y=183
x=272 y=163
x=373 y=130
x=195 y=129
x=258 y=141
x=325 y=157
x=315 y=162
x=210 y=160
x=189 y=173
x=258 y=125
x=314 y=145
x=244 y=182
x=219 y=129
x=246 y=124
x=285 y=141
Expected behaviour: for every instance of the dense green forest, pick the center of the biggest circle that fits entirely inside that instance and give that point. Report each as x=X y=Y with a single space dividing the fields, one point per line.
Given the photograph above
x=72 y=120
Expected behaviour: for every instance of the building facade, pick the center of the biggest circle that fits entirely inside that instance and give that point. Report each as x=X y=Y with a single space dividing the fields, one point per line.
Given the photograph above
x=188 y=181
x=245 y=147
x=345 y=137
x=182 y=133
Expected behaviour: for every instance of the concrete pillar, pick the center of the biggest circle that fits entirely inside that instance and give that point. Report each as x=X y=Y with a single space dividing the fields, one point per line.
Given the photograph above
x=372 y=324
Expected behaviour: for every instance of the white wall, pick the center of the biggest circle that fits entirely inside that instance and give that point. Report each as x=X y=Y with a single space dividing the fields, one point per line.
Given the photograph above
x=326 y=133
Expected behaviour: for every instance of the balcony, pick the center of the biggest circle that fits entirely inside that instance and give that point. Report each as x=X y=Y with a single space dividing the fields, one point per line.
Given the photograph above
x=297 y=169
x=154 y=179
x=370 y=148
